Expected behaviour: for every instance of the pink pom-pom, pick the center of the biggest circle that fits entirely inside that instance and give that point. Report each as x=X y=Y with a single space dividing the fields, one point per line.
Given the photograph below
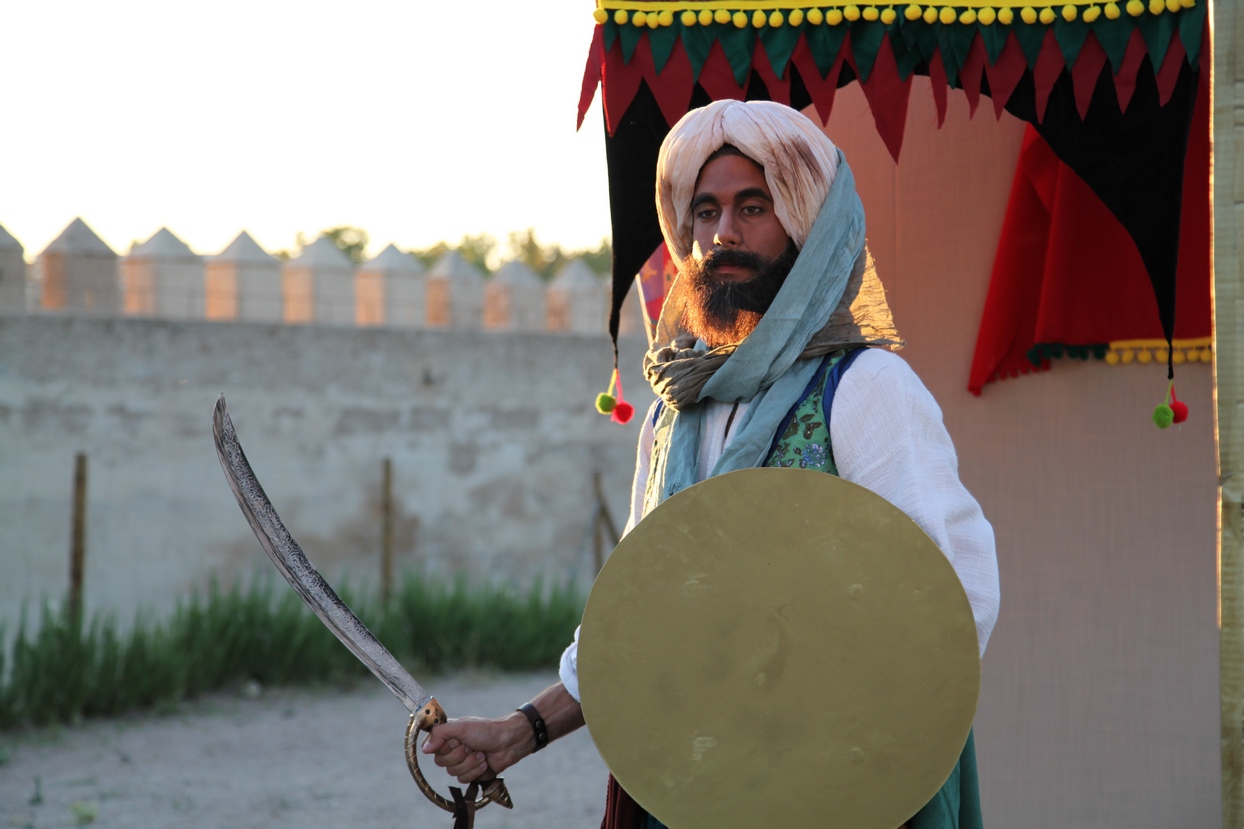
x=622 y=413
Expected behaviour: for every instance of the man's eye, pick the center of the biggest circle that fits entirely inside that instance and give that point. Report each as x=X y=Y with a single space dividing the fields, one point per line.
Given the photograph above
x=753 y=210
x=705 y=213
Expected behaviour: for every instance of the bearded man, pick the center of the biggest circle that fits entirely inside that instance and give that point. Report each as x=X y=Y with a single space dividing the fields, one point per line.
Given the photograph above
x=776 y=296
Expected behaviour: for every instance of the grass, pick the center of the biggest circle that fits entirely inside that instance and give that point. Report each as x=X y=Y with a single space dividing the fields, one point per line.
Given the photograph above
x=72 y=669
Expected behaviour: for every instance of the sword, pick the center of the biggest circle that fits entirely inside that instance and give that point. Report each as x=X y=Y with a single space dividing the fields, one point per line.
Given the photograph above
x=318 y=595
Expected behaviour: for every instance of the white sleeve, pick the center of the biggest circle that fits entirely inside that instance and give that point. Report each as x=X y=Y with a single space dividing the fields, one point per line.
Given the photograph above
x=569 y=669
x=888 y=436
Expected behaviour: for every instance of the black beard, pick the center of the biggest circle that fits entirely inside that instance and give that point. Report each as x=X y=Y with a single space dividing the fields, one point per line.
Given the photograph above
x=720 y=313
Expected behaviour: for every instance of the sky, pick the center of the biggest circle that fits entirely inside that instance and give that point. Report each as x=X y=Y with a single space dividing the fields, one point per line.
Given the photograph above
x=418 y=122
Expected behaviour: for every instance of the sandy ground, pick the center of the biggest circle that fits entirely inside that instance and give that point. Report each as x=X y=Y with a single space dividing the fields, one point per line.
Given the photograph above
x=291 y=758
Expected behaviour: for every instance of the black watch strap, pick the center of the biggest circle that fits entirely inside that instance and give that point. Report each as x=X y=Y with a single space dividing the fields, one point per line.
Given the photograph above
x=537 y=725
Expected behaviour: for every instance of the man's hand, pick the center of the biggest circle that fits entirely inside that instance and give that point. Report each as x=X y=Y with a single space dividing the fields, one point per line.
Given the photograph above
x=468 y=748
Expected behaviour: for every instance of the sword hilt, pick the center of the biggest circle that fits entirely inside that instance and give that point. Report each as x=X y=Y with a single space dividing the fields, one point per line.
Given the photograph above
x=494 y=790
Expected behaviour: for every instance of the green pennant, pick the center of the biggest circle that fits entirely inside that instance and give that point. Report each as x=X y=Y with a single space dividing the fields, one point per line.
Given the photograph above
x=994 y=37
x=949 y=62
x=1030 y=37
x=865 y=41
x=906 y=56
x=779 y=43
x=825 y=42
x=1157 y=30
x=961 y=38
x=922 y=35
x=738 y=45
x=1113 y=36
x=630 y=39
x=662 y=40
x=1191 y=28
x=611 y=34
x=1070 y=36
x=698 y=40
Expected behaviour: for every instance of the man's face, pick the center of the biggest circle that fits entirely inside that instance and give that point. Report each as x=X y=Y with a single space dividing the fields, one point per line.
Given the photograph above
x=741 y=253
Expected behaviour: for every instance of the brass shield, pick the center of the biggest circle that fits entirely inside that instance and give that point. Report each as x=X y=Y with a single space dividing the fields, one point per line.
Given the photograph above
x=778 y=647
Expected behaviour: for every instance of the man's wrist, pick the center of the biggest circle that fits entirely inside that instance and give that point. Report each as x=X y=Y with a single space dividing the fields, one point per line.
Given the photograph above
x=522 y=737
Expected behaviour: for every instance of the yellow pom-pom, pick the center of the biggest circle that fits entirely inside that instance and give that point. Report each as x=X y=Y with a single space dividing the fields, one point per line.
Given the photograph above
x=1069 y=12
x=1187 y=4
x=688 y=18
x=1135 y=8
x=776 y=18
x=1028 y=15
x=1178 y=358
x=796 y=17
x=640 y=18
x=888 y=16
x=930 y=15
x=1157 y=6
x=986 y=16
x=1047 y=16
x=851 y=13
x=759 y=19
x=947 y=15
x=704 y=17
x=816 y=17
x=620 y=16
x=600 y=15
x=1112 y=358
x=1206 y=355
x=654 y=20
x=1112 y=11
x=1160 y=354
x=1127 y=356
x=1173 y=6
x=968 y=17
x=1091 y=14
x=740 y=20
x=722 y=16
x=1006 y=17
x=913 y=12
x=1144 y=357
x=833 y=17
x=666 y=18
x=870 y=13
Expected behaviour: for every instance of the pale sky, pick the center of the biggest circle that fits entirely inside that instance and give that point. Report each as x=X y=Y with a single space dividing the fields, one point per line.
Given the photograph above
x=415 y=121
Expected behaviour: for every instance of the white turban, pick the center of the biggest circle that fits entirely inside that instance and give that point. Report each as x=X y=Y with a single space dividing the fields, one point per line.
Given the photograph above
x=800 y=163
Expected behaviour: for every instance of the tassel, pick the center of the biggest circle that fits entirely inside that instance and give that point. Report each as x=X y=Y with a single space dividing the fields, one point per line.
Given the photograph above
x=617 y=408
x=1172 y=410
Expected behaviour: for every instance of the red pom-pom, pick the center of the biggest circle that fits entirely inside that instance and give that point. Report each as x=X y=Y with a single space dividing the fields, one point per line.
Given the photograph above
x=1180 y=411
x=622 y=413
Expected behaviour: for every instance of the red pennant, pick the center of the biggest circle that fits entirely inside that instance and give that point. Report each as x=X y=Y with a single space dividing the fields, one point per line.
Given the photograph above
x=937 y=76
x=821 y=89
x=674 y=86
x=1088 y=67
x=591 y=73
x=779 y=88
x=887 y=98
x=1175 y=58
x=1050 y=64
x=1005 y=74
x=717 y=77
x=619 y=83
x=970 y=74
x=1125 y=80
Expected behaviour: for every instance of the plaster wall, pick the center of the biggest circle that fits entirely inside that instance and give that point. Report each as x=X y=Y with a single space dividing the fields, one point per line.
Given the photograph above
x=494 y=441
x=12 y=280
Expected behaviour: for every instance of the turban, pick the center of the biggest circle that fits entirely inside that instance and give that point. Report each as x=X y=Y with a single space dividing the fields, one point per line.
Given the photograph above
x=800 y=163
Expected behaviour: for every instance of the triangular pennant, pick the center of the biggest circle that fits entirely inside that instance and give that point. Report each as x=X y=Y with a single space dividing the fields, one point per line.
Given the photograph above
x=1070 y=35
x=619 y=85
x=1030 y=40
x=1113 y=38
x=591 y=73
x=611 y=34
x=778 y=87
x=629 y=36
x=825 y=43
x=1192 y=27
x=1050 y=65
x=820 y=89
x=1169 y=73
x=661 y=40
x=937 y=78
x=717 y=76
x=946 y=51
x=674 y=87
x=1084 y=75
x=779 y=43
x=921 y=34
x=698 y=41
x=888 y=97
x=961 y=39
x=738 y=46
x=1004 y=75
x=995 y=38
x=906 y=57
x=1125 y=77
x=1158 y=31
x=970 y=75
x=865 y=41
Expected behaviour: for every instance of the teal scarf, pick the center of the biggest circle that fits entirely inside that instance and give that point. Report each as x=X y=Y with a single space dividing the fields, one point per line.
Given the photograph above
x=766 y=368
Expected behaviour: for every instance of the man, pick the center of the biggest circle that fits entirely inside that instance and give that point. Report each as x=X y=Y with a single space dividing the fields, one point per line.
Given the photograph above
x=776 y=294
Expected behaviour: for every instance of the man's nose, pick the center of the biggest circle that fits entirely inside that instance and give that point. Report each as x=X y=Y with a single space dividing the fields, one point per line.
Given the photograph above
x=727 y=235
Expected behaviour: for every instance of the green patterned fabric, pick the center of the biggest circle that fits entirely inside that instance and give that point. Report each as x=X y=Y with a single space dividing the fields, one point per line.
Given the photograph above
x=806 y=443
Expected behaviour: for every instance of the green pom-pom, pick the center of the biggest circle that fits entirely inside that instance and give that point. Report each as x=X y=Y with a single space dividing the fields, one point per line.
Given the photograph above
x=605 y=403
x=1163 y=416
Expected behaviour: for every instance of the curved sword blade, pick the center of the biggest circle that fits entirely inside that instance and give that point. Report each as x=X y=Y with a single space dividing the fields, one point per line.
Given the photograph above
x=300 y=573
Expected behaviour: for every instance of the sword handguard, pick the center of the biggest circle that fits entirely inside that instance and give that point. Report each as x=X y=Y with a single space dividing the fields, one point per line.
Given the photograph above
x=494 y=790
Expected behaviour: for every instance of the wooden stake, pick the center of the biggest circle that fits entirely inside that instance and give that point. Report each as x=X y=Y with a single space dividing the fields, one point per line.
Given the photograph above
x=386 y=533
x=1227 y=195
x=77 y=540
x=602 y=523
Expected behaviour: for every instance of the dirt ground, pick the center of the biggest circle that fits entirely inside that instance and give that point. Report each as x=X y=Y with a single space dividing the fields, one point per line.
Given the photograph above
x=274 y=758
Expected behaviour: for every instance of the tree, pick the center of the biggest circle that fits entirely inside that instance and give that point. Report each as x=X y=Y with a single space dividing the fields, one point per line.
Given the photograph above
x=351 y=240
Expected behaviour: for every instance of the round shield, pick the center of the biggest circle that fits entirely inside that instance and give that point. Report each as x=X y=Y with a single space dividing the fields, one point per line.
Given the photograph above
x=778 y=647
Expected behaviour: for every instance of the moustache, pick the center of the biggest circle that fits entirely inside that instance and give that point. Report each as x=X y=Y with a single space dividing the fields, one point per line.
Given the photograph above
x=722 y=257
